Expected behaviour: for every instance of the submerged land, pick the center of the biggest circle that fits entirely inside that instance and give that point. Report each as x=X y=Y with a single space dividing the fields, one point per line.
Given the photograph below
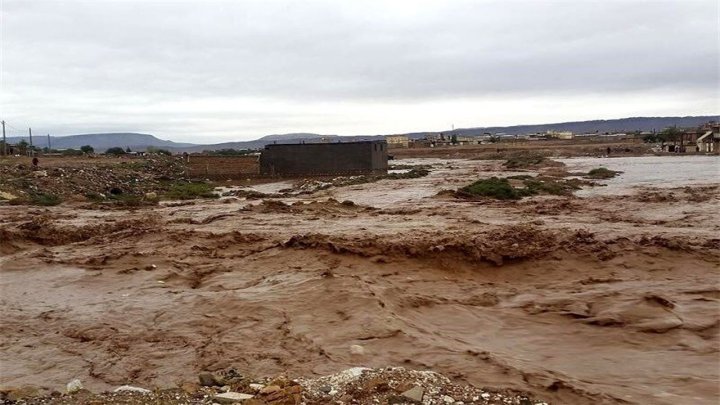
x=487 y=275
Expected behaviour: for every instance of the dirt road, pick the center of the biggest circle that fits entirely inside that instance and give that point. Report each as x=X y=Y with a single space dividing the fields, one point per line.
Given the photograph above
x=600 y=299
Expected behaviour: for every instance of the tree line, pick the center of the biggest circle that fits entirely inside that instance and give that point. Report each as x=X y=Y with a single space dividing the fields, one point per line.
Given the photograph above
x=24 y=148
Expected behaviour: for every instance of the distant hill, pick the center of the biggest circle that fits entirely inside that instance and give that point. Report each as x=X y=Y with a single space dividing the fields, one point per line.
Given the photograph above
x=299 y=135
x=101 y=142
x=139 y=142
x=600 y=126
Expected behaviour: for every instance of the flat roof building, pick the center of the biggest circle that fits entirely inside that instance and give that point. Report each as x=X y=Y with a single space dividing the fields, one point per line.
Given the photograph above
x=397 y=141
x=324 y=159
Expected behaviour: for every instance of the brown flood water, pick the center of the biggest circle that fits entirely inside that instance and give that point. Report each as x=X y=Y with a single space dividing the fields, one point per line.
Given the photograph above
x=607 y=298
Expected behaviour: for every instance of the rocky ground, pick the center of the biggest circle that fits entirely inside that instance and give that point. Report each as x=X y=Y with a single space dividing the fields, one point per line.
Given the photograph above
x=359 y=385
x=607 y=294
x=77 y=179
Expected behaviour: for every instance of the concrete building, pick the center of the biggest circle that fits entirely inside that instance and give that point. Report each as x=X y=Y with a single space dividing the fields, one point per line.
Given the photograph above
x=397 y=141
x=222 y=167
x=466 y=140
x=709 y=142
x=324 y=159
x=560 y=134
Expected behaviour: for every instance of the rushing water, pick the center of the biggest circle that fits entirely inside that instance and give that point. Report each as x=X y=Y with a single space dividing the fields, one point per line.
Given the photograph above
x=649 y=171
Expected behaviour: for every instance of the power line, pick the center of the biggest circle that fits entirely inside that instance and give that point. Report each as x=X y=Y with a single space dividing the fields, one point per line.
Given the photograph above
x=12 y=127
x=6 y=124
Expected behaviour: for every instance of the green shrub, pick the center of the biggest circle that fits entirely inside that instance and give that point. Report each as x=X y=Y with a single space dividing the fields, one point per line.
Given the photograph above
x=128 y=200
x=501 y=189
x=412 y=174
x=549 y=186
x=71 y=152
x=524 y=161
x=521 y=177
x=45 y=199
x=190 y=191
x=158 y=151
x=602 y=173
x=115 y=151
x=95 y=197
x=492 y=187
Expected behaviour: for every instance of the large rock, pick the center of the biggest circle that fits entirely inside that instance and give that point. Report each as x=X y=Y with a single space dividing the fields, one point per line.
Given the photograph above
x=414 y=394
x=190 y=387
x=130 y=388
x=74 y=386
x=269 y=389
x=7 y=196
x=256 y=387
x=209 y=380
x=231 y=397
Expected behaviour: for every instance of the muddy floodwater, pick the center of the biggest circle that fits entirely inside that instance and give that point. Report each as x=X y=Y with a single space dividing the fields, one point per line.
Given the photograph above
x=650 y=171
x=608 y=296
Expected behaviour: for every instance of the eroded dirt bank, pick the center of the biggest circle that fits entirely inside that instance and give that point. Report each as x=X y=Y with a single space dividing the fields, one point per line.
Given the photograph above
x=600 y=299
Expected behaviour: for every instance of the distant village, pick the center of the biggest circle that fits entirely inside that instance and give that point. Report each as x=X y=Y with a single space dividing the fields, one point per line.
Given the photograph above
x=705 y=138
x=702 y=139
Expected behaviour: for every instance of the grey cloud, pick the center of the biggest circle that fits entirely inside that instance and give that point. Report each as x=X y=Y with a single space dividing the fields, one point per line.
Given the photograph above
x=359 y=51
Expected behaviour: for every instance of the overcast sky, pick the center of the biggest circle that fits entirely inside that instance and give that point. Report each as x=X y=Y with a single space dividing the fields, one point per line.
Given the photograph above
x=210 y=71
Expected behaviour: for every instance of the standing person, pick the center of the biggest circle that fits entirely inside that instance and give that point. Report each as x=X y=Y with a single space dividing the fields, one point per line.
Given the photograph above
x=35 y=162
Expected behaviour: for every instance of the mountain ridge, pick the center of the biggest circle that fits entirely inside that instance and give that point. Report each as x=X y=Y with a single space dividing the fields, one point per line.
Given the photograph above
x=140 y=141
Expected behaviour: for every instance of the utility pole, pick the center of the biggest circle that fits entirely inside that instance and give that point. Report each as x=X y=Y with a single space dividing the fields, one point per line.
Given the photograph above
x=48 y=142
x=31 y=146
x=4 y=151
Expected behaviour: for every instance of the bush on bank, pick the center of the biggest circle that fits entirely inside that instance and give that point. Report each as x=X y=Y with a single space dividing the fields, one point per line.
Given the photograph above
x=602 y=173
x=189 y=191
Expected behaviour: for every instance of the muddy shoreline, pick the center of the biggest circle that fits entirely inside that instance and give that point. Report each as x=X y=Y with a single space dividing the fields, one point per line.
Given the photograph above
x=603 y=298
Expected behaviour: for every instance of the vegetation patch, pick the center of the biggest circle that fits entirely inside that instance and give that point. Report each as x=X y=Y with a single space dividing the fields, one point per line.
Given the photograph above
x=95 y=197
x=115 y=151
x=602 y=173
x=411 y=174
x=503 y=189
x=46 y=200
x=129 y=200
x=408 y=167
x=552 y=186
x=189 y=191
x=530 y=161
x=493 y=187
x=121 y=199
x=158 y=151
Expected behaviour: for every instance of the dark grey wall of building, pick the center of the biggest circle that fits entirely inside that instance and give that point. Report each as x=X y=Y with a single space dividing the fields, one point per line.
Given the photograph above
x=320 y=159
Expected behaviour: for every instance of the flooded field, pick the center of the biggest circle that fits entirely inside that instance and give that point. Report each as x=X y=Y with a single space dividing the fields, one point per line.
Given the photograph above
x=651 y=171
x=608 y=296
